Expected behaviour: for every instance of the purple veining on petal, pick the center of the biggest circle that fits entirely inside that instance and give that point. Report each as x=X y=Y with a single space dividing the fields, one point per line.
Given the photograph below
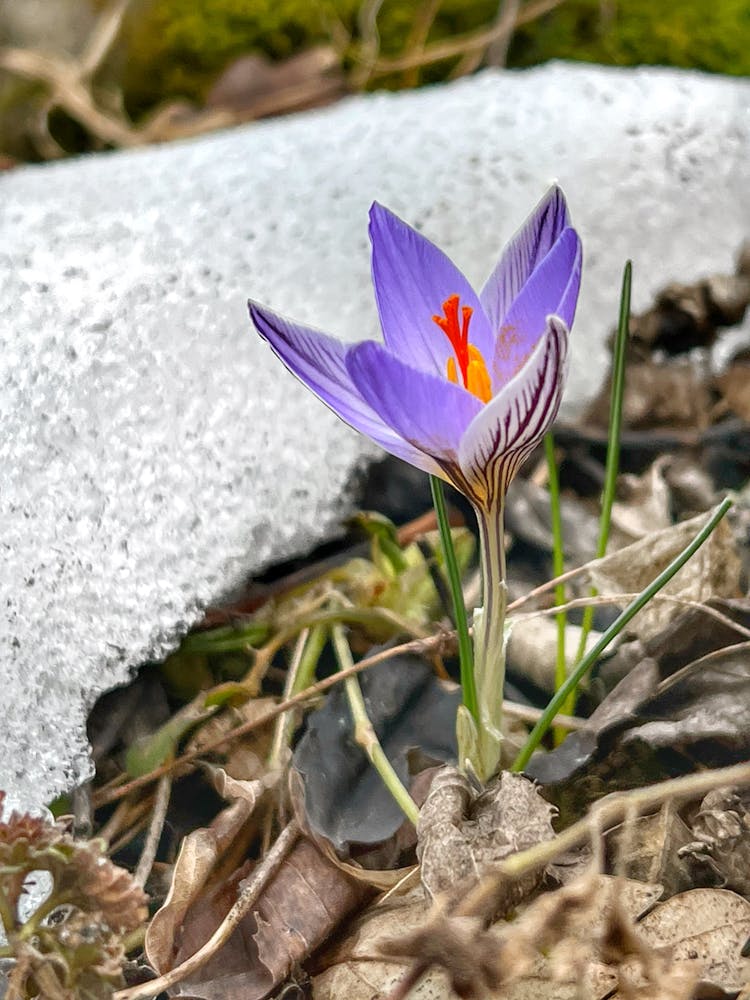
x=524 y=252
x=412 y=279
x=552 y=288
x=319 y=362
x=427 y=410
x=505 y=432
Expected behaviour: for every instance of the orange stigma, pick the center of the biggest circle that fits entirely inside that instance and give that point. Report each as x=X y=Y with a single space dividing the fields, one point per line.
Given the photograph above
x=471 y=364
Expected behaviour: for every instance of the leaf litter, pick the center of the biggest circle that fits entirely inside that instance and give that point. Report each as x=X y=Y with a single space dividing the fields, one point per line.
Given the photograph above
x=589 y=880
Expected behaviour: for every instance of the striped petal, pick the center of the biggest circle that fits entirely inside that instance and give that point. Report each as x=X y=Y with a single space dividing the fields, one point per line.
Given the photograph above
x=426 y=410
x=319 y=362
x=551 y=289
x=412 y=279
x=523 y=254
x=509 y=427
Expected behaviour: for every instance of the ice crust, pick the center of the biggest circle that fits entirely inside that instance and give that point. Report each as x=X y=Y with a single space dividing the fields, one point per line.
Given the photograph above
x=154 y=453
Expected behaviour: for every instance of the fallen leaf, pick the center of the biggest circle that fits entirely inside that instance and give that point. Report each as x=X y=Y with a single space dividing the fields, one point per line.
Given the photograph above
x=705 y=926
x=200 y=853
x=722 y=830
x=648 y=849
x=345 y=800
x=462 y=831
x=714 y=571
x=667 y=715
x=734 y=385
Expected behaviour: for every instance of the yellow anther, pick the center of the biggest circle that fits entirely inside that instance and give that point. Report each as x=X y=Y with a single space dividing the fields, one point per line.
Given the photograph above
x=477 y=377
x=451 y=370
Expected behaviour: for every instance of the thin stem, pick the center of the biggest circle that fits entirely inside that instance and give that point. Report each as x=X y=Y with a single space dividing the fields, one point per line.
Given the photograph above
x=364 y=733
x=468 y=686
x=489 y=640
x=7 y=915
x=558 y=565
x=301 y=674
x=613 y=451
x=158 y=818
x=560 y=697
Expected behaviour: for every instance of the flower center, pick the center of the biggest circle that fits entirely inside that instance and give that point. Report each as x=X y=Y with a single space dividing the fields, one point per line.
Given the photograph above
x=471 y=364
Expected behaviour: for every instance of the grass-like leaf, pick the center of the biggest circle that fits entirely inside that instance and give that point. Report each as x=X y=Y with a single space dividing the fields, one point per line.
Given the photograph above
x=560 y=698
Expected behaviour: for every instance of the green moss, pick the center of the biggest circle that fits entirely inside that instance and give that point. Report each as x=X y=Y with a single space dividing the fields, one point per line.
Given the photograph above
x=693 y=33
x=178 y=47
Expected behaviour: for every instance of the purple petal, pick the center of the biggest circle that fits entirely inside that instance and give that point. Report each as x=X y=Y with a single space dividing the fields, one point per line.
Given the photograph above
x=412 y=279
x=510 y=426
x=427 y=410
x=551 y=289
x=320 y=362
x=523 y=254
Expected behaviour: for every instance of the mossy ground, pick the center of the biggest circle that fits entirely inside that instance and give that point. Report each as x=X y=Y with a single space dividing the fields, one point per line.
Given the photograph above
x=176 y=48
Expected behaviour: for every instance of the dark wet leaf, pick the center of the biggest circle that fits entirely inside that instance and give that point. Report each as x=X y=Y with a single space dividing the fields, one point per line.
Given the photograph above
x=684 y=703
x=412 y=713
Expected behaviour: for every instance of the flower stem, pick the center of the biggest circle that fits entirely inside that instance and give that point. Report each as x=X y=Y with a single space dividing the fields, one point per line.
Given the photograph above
x=468 y=687
x=489 y=640
x=560 y=697
x=364 y=733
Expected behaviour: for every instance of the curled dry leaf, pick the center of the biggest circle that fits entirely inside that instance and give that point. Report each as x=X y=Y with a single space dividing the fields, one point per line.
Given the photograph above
x=462 y=831
x=722 y=832
x=296 y=912
x=200 y=853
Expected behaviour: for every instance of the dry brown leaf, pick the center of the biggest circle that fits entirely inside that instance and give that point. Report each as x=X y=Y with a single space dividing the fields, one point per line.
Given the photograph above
x=734 y=384
x=366 y=964
x=358 y=969
x=243 y=758
x=705 y=926
x=644 y=504
x=648 y=849
x=199 y=854
x=462 y=832
x=532 y=645
x=671 y=394
x=714 y=571
x=297 y=910
x=722 y=829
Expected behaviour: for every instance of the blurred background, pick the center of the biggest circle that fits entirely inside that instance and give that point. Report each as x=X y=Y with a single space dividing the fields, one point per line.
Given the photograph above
x=82 y=75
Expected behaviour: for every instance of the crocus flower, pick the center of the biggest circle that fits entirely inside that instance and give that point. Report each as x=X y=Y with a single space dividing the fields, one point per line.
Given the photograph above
x=464 y=385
